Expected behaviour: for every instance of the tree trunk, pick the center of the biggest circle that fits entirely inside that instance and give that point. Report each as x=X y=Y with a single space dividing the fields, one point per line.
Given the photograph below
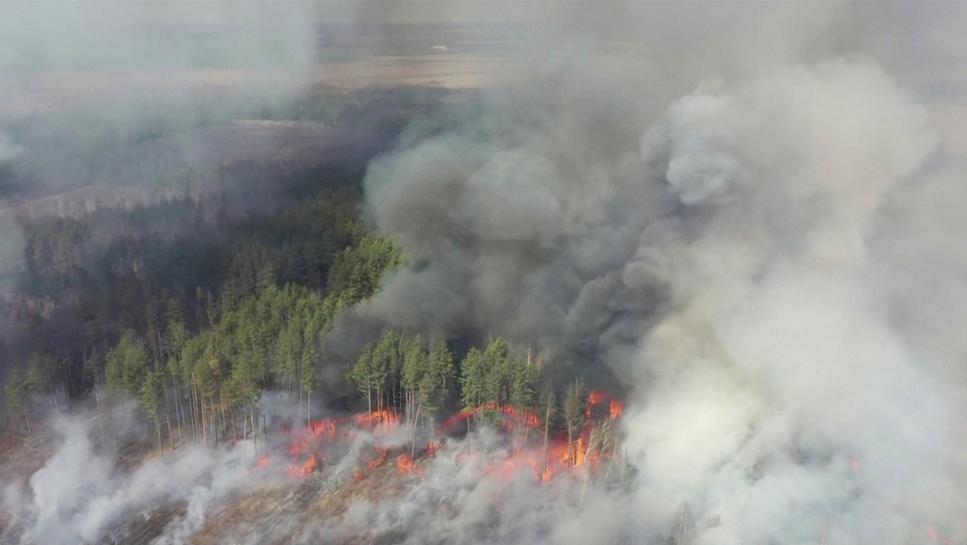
x=171 y=438
x=547 y=425
x=157 y=428
x=419 y=408
x=179 y=415
x=241 y=412
x=255 y=435
x=570 y=446
x=197 y=412
x=204 y=421
x=309 y=409
x=100 y=421
x=30 y=433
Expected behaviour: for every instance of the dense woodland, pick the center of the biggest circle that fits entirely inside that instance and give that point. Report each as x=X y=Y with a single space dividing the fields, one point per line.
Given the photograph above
x=196 y=305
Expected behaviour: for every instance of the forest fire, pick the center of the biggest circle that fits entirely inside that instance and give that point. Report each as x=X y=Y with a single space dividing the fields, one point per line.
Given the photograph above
x=380 y=421
x=512 y=416
x=372 y=465
x=306 y=469
x=407 y=466
x=617 y=408
x=546 y=453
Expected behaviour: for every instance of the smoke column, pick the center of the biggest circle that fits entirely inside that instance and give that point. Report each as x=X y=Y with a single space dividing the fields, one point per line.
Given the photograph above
x=756 y=247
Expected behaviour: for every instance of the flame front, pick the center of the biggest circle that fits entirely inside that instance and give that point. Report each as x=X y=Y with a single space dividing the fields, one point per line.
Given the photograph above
x=542 y=454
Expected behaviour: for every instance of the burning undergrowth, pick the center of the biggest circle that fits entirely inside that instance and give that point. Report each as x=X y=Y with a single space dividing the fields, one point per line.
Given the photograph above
x=316 y=481
x=528 y=442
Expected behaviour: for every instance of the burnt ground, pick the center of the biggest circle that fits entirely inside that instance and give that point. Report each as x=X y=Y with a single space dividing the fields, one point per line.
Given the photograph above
x=273 y=514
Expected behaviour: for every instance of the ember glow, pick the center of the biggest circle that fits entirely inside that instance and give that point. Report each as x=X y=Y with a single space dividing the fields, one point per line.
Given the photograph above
x=522 y=429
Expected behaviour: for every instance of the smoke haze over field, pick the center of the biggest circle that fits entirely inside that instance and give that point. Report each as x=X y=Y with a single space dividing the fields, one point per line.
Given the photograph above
x=79 y=496
x=749 y=217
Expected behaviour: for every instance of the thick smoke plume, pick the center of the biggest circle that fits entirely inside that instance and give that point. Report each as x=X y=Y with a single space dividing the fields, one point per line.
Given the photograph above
x=760 y=260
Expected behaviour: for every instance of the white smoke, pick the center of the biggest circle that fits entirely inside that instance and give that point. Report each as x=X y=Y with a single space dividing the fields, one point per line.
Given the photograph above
x=764 y=264
x=8 y=150
x=79 y=496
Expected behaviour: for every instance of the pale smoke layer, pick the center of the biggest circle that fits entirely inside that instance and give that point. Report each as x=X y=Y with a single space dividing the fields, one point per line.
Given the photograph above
x=79 y=496
x=761 y=264
x=124 y=69
x=462 y=499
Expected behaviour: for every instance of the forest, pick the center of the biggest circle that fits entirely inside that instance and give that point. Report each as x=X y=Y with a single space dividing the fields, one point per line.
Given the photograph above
x=198 y=303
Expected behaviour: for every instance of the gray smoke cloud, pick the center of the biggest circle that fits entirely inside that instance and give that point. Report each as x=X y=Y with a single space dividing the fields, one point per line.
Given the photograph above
x=108 y=75
x=80 y=495
x=764 y=260
x=108 y=95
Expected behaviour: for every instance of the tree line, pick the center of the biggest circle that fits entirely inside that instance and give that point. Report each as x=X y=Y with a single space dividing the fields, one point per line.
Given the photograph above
x=422 y=379
x=197 y=329
x=123 y=299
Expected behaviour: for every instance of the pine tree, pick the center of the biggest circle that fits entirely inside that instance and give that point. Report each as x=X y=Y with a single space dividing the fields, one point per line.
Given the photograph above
x=127 y=365
x=176 y=331
x=473 y=376
x=495 y=361
x=362 y=374
x=575 y=402
x=414 y=365
x=523 y=381
x=309 y=378
x=385 y=366
x=16 y=391
x=439 y=376
x=288 y=354
x=549 y=405
x=152 y=393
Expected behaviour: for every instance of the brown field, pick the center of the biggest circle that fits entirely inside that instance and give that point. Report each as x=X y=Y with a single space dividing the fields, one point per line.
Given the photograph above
x=54 y=89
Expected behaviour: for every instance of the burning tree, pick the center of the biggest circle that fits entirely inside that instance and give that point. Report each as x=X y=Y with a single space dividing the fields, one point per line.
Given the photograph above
x=575 y=404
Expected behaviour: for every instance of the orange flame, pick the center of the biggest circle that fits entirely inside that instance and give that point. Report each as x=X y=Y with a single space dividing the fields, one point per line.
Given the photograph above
x=595 y=397
x=384 y=421
x=373 y=464
x=305 y=469
x=323 y=428
x=617 y=409
x=406 y=466
x=513 y=417
x=432 y=447
x=546 y=463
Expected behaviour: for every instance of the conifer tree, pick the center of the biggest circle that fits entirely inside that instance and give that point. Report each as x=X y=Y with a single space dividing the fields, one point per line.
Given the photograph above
x=414 y=358
x=127 y=365
x=439 y=376
x=575 y=402
x=152 y=392
x=473 y=376
x=362 y=375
